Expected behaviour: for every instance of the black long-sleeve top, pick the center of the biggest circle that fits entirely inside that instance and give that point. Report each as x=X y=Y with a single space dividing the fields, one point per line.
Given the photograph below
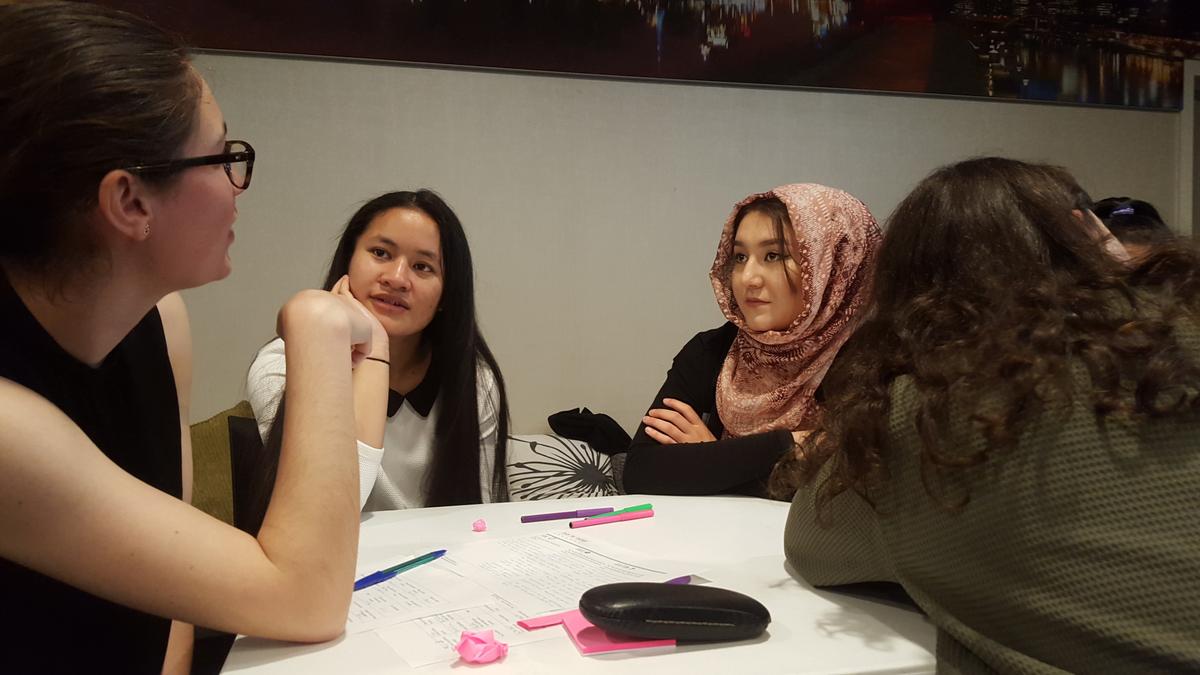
x=731 y=465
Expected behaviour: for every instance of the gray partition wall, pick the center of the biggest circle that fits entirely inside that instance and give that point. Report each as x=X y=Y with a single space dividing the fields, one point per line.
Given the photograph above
x=593 y=206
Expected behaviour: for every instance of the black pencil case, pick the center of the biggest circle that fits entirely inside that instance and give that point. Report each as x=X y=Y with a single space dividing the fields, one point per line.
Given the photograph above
x=670 y=611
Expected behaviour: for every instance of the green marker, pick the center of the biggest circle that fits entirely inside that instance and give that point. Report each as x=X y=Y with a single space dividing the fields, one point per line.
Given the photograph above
x=639 y=507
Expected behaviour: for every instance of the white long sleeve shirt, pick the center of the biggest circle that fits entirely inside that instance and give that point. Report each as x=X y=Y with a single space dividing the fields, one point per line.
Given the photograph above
x=391 y=477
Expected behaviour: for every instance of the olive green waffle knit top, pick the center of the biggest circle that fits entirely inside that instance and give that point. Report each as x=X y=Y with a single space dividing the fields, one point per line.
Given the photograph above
x=1079 y=550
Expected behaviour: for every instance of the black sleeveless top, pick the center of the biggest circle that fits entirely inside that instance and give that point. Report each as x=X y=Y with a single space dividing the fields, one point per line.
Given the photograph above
x=128 y=406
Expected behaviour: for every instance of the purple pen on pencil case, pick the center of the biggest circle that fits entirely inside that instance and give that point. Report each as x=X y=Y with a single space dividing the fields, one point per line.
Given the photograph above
x=581 y=513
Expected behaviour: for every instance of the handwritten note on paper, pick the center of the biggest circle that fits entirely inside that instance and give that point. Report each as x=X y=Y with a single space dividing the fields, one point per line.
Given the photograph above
x=548 y=572
x=432 y=639
x=426 y=590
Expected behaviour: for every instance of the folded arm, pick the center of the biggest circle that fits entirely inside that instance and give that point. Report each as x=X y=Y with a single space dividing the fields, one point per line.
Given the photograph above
x=697 y=468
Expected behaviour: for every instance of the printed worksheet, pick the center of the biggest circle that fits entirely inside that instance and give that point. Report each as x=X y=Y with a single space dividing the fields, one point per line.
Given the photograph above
x=524 y=577
x=548 y=572
x=432 y=639
x=433 y=588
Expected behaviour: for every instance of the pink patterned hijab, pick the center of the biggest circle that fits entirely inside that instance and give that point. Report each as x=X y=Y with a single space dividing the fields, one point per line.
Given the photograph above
x=769 y=377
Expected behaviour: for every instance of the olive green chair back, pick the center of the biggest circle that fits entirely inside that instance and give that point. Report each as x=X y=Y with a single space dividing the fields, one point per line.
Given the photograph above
x=212 y=478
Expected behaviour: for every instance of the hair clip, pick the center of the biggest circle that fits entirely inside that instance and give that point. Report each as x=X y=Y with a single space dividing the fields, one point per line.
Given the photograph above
x=1123 y=211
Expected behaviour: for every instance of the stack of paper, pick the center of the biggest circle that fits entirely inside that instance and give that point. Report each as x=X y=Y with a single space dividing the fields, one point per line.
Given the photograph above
x=491 y=584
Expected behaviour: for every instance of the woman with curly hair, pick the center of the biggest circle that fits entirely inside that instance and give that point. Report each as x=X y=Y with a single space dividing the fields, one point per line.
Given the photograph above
x=1012 y=434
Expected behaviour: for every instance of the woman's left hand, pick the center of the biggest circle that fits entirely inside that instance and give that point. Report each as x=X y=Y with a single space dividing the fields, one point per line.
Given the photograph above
x=680 y=424
x=379 y=346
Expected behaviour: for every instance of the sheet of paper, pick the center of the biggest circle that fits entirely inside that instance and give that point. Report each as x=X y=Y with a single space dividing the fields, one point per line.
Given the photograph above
x=548 y=572
x=529 y=576
x=434 y=588
x=432 y=639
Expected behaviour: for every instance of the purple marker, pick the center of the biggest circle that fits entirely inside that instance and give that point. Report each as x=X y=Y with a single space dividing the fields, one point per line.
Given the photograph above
x=581 y=513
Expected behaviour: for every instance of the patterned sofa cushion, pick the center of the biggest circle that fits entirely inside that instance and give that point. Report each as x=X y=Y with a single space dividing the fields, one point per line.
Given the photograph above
x=552 y=467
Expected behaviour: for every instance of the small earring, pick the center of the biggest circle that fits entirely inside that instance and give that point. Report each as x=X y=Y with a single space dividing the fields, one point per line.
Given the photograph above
x=147 y=230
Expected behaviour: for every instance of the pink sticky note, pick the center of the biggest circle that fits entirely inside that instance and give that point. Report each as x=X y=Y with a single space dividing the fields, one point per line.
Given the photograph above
x=479 y=525
x=480 y=647
x=587 y=637
x=547 y=620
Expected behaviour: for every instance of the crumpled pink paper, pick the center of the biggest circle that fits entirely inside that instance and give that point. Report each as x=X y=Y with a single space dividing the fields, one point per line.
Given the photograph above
x=480 y=647
x=479 y=525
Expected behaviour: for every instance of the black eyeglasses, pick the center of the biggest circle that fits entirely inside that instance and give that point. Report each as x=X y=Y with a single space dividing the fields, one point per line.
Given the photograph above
x=237 y=160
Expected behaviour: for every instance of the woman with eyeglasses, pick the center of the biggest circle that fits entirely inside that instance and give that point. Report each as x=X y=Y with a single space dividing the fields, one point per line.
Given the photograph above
x=430 y=404
x=118 y=189
x=1013 y=434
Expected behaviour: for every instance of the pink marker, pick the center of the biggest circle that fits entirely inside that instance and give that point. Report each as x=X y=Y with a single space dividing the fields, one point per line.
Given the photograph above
x=632 y=515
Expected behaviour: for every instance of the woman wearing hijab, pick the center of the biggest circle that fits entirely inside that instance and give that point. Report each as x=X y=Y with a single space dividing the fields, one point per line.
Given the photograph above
x=791 y=273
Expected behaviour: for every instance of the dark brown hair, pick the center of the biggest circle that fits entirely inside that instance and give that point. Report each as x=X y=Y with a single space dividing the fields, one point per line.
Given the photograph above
x=776 y=210
x=988 y=288
x=84 y=90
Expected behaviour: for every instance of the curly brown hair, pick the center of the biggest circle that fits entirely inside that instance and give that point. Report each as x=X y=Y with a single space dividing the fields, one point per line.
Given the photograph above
x=991 y=288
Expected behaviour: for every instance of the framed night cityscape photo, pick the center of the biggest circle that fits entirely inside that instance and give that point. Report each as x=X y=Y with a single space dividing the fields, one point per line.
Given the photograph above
x=1098 y=52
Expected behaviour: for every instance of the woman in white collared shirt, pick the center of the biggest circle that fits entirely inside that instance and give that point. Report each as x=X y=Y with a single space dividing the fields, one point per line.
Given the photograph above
x=430 y=404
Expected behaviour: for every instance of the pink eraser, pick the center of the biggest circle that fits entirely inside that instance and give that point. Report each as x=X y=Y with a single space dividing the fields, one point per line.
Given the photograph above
x=480 y=647
x=479 y=525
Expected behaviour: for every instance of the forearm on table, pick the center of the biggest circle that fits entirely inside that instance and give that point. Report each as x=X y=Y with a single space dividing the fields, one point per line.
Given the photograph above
x=844 y=549
x=701 y=468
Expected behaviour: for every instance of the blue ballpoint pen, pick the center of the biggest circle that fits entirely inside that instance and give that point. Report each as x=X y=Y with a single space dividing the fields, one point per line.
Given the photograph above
x=385 y=574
